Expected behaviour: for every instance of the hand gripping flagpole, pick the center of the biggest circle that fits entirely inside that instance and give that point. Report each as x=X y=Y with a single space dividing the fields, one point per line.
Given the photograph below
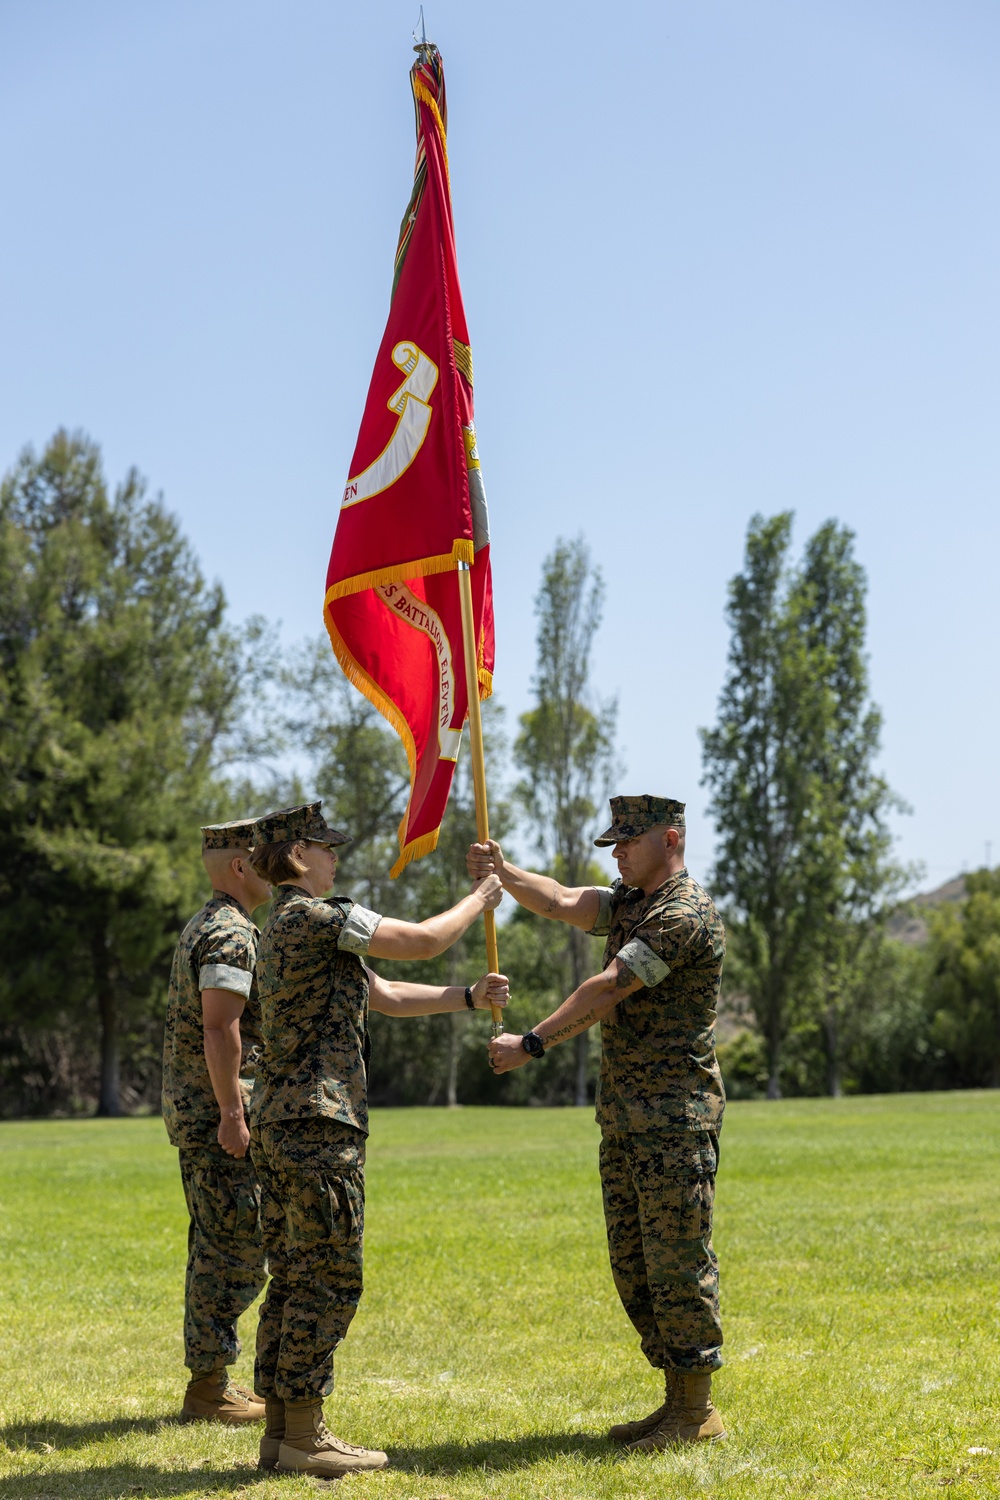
x=478 y=762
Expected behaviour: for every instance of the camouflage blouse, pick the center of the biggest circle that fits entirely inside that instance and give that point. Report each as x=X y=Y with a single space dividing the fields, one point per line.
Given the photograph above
x=658 y=1067
x=217 y=951
x=314 y=1010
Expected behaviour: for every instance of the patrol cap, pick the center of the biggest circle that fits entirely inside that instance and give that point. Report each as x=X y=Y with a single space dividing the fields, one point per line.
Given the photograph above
x=631 y=816
x=294 y=824
x=238 y=835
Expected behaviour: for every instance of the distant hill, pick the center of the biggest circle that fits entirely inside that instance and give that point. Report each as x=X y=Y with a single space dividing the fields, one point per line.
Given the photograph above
x=908 y=924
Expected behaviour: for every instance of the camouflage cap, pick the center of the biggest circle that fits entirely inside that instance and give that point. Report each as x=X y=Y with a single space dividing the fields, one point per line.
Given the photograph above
x=238 y=835
x=293 y=824
x=631 y=816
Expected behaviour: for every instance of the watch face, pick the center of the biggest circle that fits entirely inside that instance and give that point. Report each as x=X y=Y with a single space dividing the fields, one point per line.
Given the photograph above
x=533 y=1044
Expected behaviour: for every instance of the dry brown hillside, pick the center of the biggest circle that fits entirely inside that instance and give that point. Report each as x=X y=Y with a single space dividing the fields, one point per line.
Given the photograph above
x=908 y=923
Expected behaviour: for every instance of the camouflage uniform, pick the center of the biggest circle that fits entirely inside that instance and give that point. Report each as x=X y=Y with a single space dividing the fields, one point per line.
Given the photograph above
x=225 y=1266
x=660 y=1105
x=309 y=1119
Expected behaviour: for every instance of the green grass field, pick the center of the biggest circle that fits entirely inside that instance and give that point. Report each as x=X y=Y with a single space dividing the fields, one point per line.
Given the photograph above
x=859 y=1243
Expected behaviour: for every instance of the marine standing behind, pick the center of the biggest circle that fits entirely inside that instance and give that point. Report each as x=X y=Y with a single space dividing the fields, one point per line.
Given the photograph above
x=660 y=1099
x=310 y=1115
x=211 y=1037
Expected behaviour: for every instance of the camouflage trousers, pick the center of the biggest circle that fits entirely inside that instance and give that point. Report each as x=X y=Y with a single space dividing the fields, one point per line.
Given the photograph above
x=659 y=1189
x=225 y=1265
x=312 y=1180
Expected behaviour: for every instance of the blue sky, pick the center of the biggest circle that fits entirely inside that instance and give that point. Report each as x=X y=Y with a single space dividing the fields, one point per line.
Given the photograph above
x=717 y=259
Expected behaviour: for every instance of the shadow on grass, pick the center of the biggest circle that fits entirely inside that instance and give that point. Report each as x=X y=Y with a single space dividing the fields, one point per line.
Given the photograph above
x=124 y=1479
x=499 y=1453
x=39 y=1435
x=495 y=1455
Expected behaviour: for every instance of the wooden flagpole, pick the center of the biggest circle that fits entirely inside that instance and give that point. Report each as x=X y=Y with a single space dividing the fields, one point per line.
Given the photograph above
x=478 y=761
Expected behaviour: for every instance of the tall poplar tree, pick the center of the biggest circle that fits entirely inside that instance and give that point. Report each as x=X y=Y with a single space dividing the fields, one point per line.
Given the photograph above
x=565 y=748
x=804 y=851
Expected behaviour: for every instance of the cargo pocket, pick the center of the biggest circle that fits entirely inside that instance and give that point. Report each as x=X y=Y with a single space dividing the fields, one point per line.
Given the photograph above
x=683 y=1213
x=247 y=1216
x=325 y=1210
x=214 y=1203
x=689 y=1196
x=342 y=1207
x=224 y=1208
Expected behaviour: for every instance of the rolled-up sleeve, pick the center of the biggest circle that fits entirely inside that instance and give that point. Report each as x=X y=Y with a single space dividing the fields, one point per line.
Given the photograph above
x=602 y=926
x=643 y=962
x=225 y=977
x=358 y=931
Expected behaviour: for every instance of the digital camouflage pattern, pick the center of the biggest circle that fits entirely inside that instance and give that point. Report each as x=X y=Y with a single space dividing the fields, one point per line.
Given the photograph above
x=659 y=1189
x=293 y=824
x=225 y=1268
x=631 y=816
x=658 y=1066
x=312 y=1177
x=235 y=836
x=660 y=1105
x=216 y=950
x=313 y=990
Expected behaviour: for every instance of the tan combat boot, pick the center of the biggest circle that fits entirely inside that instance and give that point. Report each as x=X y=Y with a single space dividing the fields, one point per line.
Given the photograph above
x=693 y=1420
x=214 y=1398
x=274 y=1432
x=630 y=1432
x=308 y=1448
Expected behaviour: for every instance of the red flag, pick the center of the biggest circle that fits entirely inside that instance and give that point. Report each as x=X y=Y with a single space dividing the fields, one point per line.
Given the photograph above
x=414 y=506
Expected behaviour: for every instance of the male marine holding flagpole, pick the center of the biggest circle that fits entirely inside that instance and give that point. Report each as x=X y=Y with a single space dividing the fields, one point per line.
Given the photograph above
x=660 y=1100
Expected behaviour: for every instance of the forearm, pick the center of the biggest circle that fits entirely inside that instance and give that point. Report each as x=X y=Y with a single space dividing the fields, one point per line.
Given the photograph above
x=223 y=1052
x=594 y=999
x=448 y=926
x=396 y=939
x=591 y=1002
x=577 y=905
x=538 y=893
x=403 y=999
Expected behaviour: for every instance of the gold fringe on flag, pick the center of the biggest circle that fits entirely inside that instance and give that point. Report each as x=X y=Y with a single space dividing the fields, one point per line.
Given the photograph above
x=462 y=550
x=356 y=674
x=425 y=844
x=377 y=696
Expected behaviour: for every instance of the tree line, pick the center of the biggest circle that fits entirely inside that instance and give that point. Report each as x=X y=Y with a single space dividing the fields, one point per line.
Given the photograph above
x=134 y=709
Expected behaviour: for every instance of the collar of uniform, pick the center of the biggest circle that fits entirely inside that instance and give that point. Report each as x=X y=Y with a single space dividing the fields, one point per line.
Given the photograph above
x=232 y=900
x=288 y=888
x=637 y=893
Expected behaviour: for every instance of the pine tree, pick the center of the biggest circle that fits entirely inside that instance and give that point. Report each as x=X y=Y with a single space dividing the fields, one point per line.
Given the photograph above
x=117 y=695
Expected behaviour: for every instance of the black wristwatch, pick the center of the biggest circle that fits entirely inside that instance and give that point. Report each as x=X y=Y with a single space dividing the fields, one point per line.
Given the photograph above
x=533 y=1045
x=468 y=997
